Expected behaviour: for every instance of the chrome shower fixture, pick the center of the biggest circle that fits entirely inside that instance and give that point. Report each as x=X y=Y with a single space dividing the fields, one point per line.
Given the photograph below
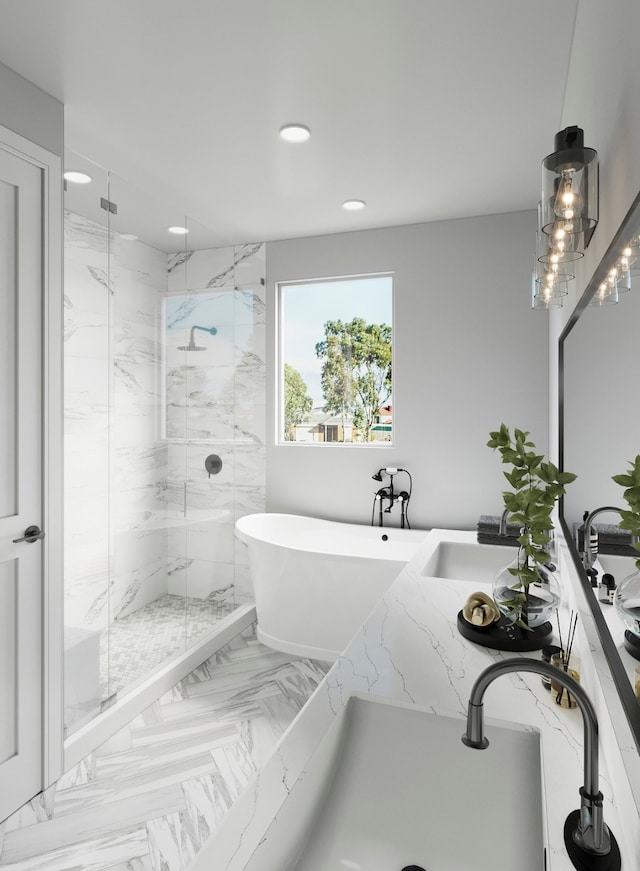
x=192 y=344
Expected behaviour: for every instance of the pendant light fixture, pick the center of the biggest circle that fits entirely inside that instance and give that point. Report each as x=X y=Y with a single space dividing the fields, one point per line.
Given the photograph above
x=569 y=207
x=567 y=216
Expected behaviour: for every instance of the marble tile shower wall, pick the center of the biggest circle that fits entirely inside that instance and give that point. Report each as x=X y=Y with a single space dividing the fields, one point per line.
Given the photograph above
x=141 y=513
x=215 y=405
x=115 y=458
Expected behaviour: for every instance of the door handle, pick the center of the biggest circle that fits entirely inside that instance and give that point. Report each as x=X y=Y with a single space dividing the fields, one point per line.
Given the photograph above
x=31 y=534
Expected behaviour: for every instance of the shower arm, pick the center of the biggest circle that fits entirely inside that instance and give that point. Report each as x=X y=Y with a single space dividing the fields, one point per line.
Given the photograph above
x=211 y=330
x=192 y=342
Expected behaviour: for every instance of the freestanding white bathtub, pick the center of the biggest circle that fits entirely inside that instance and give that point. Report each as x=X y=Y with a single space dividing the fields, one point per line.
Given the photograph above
x=316 y=581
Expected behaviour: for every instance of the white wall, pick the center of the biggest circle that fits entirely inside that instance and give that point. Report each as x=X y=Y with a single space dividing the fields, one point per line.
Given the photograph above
x=30 y=112
x=602 y=98
x=469 y=354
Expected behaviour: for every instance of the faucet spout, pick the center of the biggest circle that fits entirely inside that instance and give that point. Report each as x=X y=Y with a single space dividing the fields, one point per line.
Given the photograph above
x=588 y=558
x=587 y=837
x=502 y=529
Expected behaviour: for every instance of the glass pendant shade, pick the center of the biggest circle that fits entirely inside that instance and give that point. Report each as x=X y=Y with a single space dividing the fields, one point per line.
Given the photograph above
x=558 y=246
x=570 y=187
x=606 y=294
x=619 y=277
x=554 y=275
x=632 y=253
x=557 y=250
x=545 y=296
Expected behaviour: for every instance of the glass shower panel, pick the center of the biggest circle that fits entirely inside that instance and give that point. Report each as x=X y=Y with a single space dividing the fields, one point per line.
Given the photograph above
x=164 y=434
x=147 y=604
x=87 y=443
x=174 y=411
x=199 y=348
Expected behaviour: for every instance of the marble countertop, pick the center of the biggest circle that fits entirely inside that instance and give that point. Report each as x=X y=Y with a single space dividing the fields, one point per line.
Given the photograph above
x=409 y=649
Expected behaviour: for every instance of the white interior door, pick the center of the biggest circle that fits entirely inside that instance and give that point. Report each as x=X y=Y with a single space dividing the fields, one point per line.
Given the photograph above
x=21 y=480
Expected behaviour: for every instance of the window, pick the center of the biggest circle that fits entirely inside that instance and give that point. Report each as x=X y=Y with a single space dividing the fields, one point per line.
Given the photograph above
x=335 y=361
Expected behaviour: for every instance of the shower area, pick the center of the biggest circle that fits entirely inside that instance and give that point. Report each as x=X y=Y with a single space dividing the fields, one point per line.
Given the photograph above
x=164 y=434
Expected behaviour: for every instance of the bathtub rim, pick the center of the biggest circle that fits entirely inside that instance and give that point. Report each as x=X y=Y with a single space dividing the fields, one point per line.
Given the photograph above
x=396 y=535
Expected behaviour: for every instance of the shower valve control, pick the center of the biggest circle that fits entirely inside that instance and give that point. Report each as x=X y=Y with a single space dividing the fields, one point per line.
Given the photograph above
x=213 y=464
x=31 y=534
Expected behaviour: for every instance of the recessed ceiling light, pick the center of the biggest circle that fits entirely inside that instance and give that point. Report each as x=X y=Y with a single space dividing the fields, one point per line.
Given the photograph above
x=179 y=231
x=353 y=205
x=295 y=133
x=76 y=177
x=128 y=237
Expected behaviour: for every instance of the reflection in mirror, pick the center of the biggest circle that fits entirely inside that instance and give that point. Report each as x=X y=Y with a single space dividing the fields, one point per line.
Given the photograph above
x=600 y=434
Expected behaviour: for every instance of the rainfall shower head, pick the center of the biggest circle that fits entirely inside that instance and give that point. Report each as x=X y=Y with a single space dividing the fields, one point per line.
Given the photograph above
x=192 y=344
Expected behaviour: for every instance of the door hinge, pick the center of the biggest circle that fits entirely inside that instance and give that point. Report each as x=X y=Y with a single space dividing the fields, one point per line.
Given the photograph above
x=108 y=206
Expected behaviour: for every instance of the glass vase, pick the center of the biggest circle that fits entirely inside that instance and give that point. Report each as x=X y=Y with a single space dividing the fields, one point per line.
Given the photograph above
x=532 y=604
x=627 y=602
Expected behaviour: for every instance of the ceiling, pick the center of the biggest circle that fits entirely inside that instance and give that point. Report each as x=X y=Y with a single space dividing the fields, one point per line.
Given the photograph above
x=427 y=110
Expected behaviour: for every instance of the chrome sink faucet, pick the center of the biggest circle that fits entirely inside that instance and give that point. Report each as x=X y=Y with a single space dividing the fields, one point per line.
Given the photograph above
x=588 y=557
x=587 y=838
x=502 y=528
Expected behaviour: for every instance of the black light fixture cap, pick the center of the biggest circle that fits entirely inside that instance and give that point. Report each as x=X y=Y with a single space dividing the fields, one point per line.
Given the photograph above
x=569 y=151
x=570 y=137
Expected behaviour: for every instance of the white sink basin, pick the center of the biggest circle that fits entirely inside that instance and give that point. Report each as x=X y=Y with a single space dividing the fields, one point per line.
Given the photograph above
x=469 y=561
x=392 y=785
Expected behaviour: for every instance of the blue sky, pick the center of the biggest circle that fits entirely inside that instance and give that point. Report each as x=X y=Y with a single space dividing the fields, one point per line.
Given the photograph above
x=306 y=307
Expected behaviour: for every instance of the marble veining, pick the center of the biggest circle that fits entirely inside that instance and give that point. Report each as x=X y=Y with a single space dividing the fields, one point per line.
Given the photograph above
x=142 y=519
x=409 y=649
x=155 y=791
x=174 y=261
x=219 y=267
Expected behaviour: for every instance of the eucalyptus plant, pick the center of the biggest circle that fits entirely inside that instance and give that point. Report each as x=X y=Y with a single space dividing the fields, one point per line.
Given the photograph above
x=631 y=518
x=536 y=487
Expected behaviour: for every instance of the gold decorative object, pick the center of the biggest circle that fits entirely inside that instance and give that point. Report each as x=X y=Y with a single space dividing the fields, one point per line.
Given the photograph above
x=480 y=610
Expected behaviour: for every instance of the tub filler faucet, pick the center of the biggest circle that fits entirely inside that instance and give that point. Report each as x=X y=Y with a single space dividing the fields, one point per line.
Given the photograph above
x=388 y=496
x=589 y=842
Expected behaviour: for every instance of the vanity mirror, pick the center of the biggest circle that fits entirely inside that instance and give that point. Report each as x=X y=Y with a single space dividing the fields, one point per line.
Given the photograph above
x=599 y=356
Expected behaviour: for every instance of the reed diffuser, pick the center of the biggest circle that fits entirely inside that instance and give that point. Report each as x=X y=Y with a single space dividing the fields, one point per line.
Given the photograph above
x=567 y=662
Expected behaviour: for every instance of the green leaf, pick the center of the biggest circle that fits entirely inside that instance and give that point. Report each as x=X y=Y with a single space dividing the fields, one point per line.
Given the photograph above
x=623 y=480
x=566 y=478
x=511 y=478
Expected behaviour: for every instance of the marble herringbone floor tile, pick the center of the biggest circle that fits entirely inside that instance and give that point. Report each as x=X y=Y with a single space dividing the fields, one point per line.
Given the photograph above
x=127 y=852
x=148 y=798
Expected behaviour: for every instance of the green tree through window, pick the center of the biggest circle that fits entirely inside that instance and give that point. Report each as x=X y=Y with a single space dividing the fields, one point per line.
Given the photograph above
x=297 y=402
x=356 y=371
x=335 y=359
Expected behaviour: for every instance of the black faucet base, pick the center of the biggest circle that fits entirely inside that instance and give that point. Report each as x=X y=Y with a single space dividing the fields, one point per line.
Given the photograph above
x=632 y=643
x=582 y=859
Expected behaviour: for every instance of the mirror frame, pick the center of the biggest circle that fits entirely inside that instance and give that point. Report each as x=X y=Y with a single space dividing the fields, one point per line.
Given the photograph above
x=630 y=704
